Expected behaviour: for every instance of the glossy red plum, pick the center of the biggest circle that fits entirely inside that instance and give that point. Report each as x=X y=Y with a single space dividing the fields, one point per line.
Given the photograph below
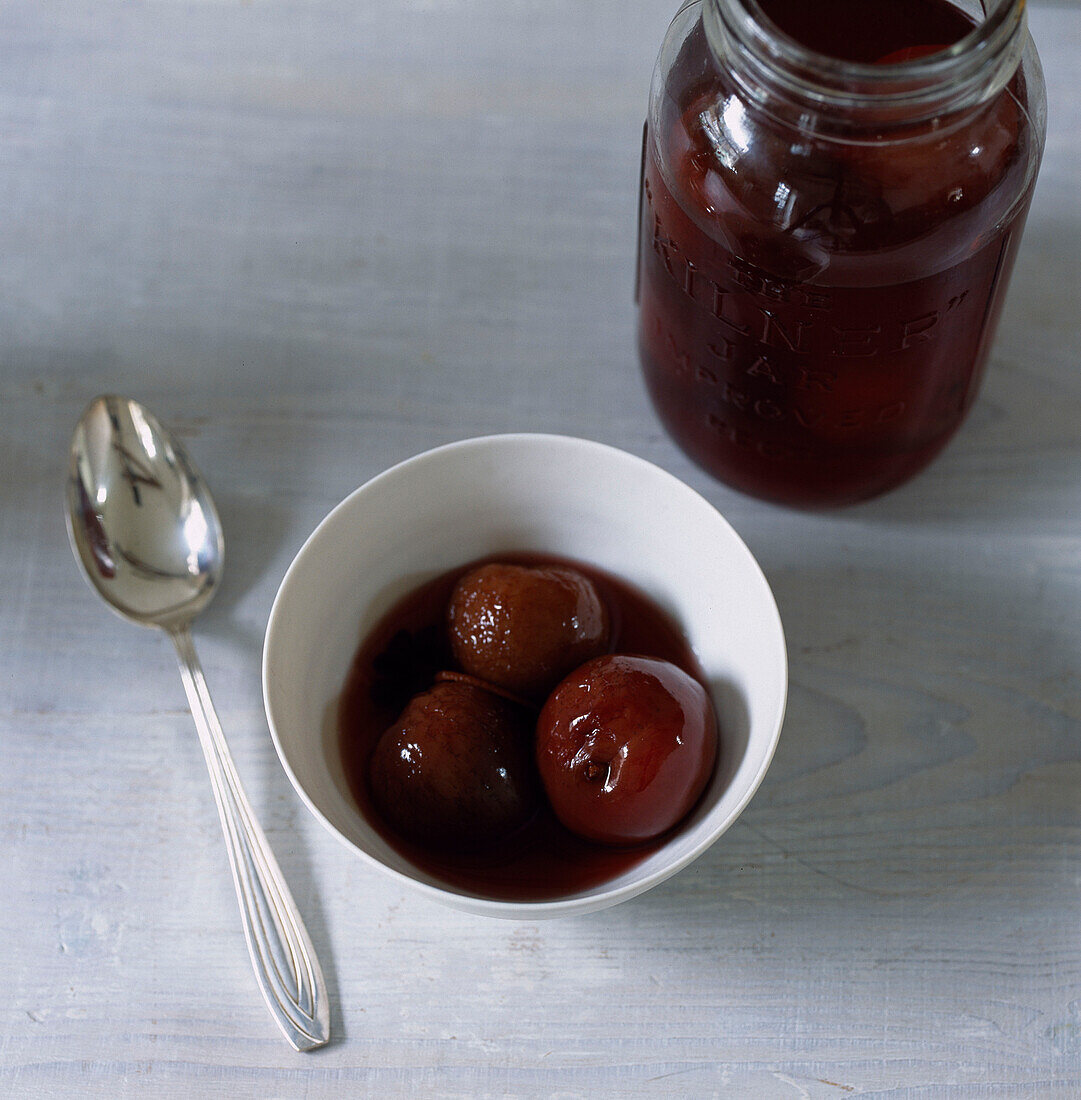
x=625 y=746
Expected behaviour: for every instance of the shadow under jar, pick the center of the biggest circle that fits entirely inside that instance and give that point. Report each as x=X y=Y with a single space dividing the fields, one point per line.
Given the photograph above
x=832 y=199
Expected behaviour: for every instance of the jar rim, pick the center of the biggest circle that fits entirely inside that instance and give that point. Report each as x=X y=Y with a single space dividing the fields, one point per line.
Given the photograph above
x=970 y=70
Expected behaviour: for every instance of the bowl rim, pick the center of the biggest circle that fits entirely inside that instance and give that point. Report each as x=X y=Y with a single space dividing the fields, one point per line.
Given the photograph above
x=543 y=908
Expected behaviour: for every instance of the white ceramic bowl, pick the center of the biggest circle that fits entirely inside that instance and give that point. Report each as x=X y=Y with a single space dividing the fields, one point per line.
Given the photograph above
x=549 y=494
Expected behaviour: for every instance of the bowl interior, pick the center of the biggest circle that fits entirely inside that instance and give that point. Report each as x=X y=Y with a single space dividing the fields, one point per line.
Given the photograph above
x=547 y=494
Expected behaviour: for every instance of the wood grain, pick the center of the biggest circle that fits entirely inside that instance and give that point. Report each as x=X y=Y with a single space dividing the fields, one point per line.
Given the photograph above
x=317 y=238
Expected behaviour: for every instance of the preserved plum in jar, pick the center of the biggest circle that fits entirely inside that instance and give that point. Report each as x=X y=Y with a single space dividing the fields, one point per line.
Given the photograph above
x=832 y=199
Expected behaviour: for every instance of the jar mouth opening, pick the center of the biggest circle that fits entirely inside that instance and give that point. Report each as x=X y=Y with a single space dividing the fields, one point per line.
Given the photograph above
x=1003 y=14
x=950 y=75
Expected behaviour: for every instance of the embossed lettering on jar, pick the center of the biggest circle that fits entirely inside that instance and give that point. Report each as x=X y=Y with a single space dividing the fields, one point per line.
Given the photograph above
x=832 y=200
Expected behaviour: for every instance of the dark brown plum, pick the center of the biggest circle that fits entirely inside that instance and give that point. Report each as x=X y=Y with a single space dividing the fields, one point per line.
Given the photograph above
x=455 y=771
x=625 y=747
x=524 y=628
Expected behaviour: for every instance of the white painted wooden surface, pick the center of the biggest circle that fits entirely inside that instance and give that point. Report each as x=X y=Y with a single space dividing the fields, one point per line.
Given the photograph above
x=317 y=237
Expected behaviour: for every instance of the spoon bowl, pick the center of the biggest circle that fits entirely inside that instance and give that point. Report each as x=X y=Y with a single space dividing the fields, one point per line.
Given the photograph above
x=142 y=522
x=145 y=530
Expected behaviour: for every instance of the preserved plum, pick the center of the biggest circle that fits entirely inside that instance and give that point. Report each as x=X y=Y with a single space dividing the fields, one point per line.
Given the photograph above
x=524 y=627
x=625 y=747
x=455 y=769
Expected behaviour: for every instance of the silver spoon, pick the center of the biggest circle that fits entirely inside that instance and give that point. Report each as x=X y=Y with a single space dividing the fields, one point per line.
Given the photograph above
x=145 y=531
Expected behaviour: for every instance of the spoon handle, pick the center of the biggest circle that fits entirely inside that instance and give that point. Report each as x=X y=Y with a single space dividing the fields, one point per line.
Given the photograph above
x=281 y=952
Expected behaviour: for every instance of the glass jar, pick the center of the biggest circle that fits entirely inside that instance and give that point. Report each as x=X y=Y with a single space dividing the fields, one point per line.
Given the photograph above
x=829 y=215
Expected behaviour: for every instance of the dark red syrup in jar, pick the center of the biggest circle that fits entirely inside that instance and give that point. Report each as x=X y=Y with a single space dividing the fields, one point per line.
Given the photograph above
x=815 y=314
x=402 y=657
